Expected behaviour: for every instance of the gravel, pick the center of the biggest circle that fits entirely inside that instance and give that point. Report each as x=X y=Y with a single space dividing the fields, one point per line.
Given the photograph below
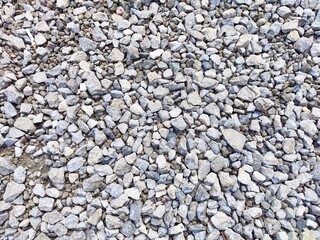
x=160 y=119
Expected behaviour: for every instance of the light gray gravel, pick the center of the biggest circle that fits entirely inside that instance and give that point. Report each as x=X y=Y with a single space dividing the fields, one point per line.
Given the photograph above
x=167 y=119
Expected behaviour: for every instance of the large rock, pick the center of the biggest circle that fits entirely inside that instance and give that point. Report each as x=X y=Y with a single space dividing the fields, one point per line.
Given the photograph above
x=255 y=60
x=87 y=44
x=13 y=95
x=25 y=124
x=234 y=138
x=39 y=77
x=17 y=42
x=6 y=167
x=62 y=3
x=56 y=175
x=302 y=45
x=309 y=127
x=116 y=55
x=13 y=190
x=248 y=93
x=191 y=161
x=92 y=183
x=179 y=123
x=222 y=221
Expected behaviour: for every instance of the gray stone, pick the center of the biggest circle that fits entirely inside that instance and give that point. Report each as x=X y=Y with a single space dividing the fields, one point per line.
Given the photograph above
x=92 y=183
x=93 y=84
x=114 y=189
x=116 y=55
x=316 y=24
x=144 y=14
x=25 y=124
x=9 y=110
x=95 y=217
x=39 y=190
x=95 y=156
x=244 y=40
x=194 y=99
x=289 y=26
x=255 y=60
x=42 y=26
x=20 y=174
x=56 y=175
x=308 y=127
x=13 y=95
x=289 y=145
x=302 y=45
x=46 y=204
x=87 y=44
x=230 y=234
x=179 y=123
x=100 y=16
x=62 y=3
x=123 y=24
x=113 y=222
x=315 y=50
x=249 y=93
x=137 y=109
x=210 y=34
x=263 y=104
x=176 y=229
x=201 y=194
x=12 y=191
x=98 y=35
x=121 y=167
x=17 y=42
x=239 y=2
x=191 y=161
x=128 y=229
x=135 y=213
x=222 y=221
x=234 y=138
x=39 y=77
x=6 y=167
x=75 y=164
x=244 y=177
x=160 y=211
x=40 y=39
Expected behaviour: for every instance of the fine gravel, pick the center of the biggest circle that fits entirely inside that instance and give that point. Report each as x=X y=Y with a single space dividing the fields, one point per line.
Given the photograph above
x=160 y=120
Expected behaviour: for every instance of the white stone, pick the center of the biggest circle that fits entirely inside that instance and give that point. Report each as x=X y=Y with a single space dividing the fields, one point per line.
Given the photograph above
x=309 y=127
x=137 y=109
x=62 y=3
x=234 y=138
x=194 y=99
x=116 y=55
x=39 y=77
x=222 y=221
x=25 y=124
x=12 y=191
x=244 y=177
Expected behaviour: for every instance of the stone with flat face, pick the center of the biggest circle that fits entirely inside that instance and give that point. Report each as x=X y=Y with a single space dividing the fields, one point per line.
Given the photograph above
x=25 y=124
x=116 y=55
x=234 y=138
x=13 y=190
x=222 y=221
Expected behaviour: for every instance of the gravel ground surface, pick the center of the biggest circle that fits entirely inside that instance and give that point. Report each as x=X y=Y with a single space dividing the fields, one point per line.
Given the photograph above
x=194 y=119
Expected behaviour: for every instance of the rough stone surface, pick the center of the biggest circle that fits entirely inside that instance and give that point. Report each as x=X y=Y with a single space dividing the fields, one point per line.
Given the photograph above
x=12 y=191
x=234 y=138
x=182 y=120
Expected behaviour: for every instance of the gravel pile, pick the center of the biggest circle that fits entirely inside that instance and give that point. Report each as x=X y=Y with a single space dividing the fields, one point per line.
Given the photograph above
x=194 y=119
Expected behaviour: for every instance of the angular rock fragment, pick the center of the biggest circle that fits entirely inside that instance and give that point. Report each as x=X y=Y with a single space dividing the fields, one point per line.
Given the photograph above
x=234 y=138
x=25 y=124
x=222 y=221
x=12 y=191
